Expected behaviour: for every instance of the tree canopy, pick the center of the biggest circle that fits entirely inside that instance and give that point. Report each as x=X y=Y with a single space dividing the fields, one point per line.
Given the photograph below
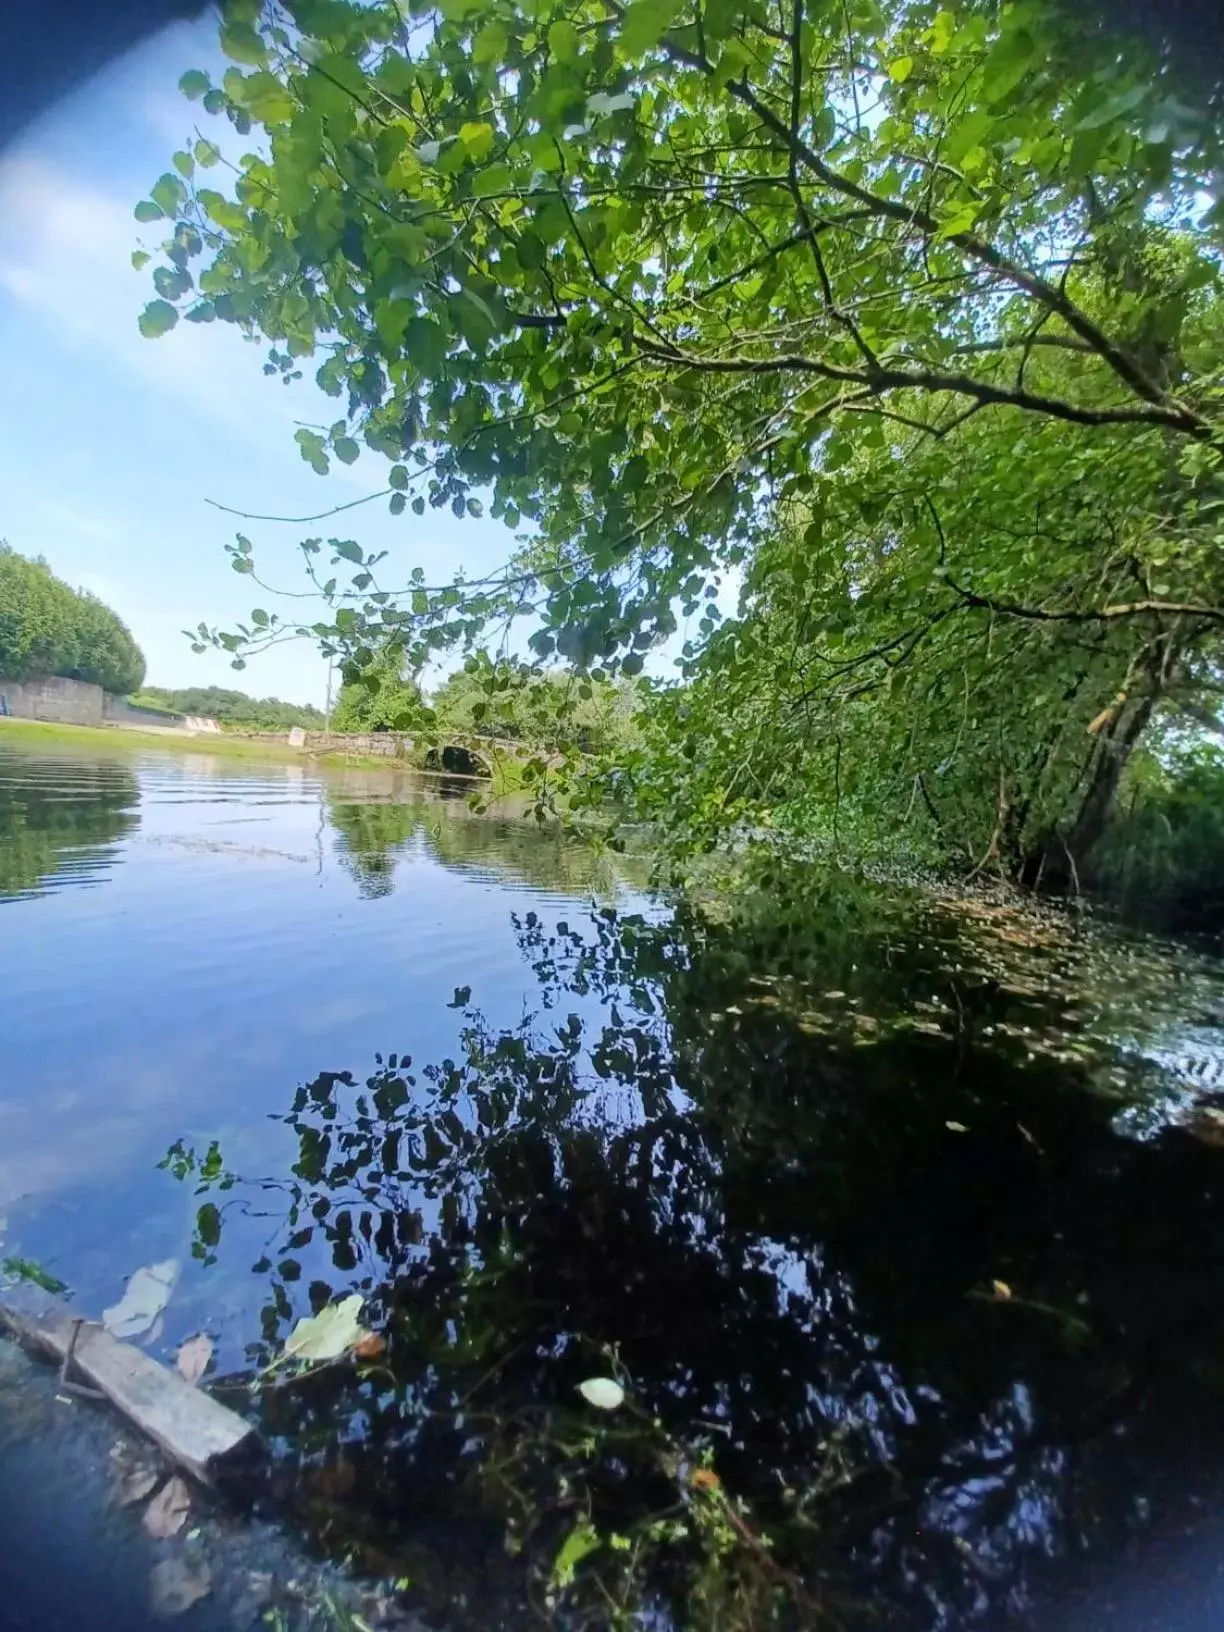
x=232 y=707
x=47 y=628
x=907 y=316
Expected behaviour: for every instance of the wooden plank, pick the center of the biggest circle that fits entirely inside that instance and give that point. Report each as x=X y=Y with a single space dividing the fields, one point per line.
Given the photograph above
x=199 y=1434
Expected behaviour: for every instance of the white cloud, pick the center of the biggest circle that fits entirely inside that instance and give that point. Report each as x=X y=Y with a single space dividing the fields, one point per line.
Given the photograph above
x=65 y=256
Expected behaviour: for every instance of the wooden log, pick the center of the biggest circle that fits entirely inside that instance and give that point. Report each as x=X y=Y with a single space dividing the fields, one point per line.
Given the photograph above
x=196 y=1432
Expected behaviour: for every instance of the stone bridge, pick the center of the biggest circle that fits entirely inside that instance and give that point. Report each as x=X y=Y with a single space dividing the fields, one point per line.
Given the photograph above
x=458 y=753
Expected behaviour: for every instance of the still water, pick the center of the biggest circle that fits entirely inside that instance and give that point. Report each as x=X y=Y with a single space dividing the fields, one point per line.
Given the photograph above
x=900 y=1220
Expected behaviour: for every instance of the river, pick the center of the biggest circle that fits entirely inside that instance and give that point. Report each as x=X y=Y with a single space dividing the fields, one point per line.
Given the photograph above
x=898 y=1219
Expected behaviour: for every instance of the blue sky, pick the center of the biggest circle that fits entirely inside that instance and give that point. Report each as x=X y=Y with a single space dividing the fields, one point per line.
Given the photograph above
x=113 y=443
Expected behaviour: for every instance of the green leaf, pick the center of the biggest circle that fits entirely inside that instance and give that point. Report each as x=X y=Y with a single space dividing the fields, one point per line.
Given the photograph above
x=169 y=194
x=207 y=153
x=25 y=1269
x=582 y=1541
x=398 y=477
x=1116 y=107
x=243 y=44
x=346 y=450
x=644 y=24
x=194 y=84
x=900 y=69
x=158 y=318
x=476 y=138
x=147 y=211
x=329 y=1334
x=171 y=282
x=140 y=257
x=492 y=179
x=398 y=503
x=184 y=164
x=563 y=41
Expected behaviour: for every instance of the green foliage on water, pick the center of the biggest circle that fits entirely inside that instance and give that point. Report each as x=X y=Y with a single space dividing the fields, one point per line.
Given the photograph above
x=46 y=628
x=233 y=708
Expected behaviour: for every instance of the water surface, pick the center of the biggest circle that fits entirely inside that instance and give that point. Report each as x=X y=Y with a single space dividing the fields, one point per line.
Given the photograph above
x=899 y=1219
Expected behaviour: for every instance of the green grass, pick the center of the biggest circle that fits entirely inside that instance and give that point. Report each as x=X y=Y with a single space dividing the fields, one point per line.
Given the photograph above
x=507 y=772
x=42 y=733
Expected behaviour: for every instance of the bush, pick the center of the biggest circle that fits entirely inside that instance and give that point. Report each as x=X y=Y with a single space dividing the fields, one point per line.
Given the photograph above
x=1161 y=862
x=48 y=628
x=232 y=707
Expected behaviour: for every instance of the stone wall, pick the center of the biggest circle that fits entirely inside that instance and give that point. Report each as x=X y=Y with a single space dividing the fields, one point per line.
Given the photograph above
x=71 y=702
x=121 y=712
x=378 y=744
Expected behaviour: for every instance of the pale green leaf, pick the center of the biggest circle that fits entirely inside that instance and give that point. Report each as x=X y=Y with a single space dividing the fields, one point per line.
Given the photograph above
x=329 y=1334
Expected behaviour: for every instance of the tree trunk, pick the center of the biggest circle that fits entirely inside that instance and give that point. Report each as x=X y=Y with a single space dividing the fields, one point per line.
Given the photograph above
x=1055 y=862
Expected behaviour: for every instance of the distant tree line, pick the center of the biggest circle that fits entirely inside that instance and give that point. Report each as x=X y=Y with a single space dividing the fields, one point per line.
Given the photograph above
x=48 y=628
x=556 y=709
x=232 y=707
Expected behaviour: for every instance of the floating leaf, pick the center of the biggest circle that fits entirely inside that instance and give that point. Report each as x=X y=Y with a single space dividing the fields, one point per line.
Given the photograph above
x=582 y=1540
x=134 y=1484
x=329 y=1334
x=1001 y=1289
x=25 y=1269
x=167 y=1513
x=148 y=1293
x=177 y=1584
x=602 y=1393
x=192 y=1359
x=956 y=1127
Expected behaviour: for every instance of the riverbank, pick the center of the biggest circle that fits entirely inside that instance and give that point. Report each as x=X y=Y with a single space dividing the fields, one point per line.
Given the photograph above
x=507 y=774
x=45 y=734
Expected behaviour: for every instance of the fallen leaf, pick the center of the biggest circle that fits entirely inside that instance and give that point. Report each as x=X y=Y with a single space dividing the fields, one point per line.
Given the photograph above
x=192 y=1359
x=582 y=1539
x=1001 y=1289
x=167 y=1513
x=177 y=1584
x=134 y=1484
x=329 y=1334
x=956 y=1127
x=147 y=1294
x=371 y=1346
x=602 y=1393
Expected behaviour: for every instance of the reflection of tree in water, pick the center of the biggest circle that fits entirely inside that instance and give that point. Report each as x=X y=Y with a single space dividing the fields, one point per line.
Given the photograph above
x=373 y=837
x=907 y=1291
x=59 y=818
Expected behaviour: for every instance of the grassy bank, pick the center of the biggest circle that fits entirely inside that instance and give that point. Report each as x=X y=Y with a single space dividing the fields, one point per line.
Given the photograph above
x=42 y=733
x=507 y=772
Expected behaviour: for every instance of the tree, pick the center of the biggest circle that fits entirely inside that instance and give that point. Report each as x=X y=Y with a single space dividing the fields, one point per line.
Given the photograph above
x=232 y=707
x=955 y=644
x=47 y=628
x=558 y=710
x=660 y=278
x=377 y=695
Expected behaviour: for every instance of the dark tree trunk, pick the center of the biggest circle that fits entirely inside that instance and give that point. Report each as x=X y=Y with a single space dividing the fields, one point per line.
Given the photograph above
x=1057 y=861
